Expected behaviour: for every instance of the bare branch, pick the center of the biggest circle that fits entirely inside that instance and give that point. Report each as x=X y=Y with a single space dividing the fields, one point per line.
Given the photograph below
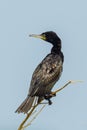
x=22 y=127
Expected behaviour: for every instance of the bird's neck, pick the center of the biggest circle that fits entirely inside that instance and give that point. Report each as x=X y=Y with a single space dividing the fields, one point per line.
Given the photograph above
x=56 y=48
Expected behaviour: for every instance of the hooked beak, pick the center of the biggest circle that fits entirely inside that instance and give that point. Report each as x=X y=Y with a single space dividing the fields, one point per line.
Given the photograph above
x=41 y=36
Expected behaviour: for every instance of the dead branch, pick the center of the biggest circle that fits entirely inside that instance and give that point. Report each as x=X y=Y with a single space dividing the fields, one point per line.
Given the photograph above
x=22 y=127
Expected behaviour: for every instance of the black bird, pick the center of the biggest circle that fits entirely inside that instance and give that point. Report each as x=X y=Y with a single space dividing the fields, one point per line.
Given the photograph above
x=46 y=74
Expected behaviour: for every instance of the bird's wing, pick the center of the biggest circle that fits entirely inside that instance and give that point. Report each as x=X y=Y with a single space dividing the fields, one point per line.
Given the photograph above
x=46 y=73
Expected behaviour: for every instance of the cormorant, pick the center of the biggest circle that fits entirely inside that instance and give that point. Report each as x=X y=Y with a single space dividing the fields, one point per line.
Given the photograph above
x=46 y=74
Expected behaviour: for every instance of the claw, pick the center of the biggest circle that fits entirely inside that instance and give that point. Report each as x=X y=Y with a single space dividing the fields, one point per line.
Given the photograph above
x=49 y=102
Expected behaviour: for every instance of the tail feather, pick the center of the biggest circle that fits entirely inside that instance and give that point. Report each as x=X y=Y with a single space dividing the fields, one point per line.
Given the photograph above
x=26 y=105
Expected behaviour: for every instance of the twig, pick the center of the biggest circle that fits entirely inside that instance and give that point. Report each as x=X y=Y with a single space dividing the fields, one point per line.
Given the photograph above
x=27 y=117
x=69 y=82
x=35 y=116
x=21 y=127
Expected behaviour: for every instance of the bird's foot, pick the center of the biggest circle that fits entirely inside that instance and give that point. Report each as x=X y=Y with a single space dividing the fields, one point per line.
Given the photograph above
x=48 y=96
x=49 y=102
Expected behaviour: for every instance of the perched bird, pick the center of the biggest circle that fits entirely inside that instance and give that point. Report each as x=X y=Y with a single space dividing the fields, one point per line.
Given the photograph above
x=46 y=74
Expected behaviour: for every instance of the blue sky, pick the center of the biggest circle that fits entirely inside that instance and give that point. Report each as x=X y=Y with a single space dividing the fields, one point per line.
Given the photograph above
x=19 y=56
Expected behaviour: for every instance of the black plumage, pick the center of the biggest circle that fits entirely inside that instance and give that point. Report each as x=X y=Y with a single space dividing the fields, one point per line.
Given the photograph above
x=46 y=74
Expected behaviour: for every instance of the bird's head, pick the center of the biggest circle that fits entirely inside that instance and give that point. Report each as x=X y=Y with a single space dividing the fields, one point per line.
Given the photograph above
x=49 y=36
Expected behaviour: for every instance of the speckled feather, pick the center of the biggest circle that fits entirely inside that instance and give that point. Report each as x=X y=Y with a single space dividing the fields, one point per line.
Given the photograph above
x=46 y=75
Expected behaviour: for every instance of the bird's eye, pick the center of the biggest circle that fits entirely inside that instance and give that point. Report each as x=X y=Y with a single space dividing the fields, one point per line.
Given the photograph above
x=44 y=34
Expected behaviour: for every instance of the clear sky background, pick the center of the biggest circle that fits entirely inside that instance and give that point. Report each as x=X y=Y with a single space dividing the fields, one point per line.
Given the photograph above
x=20 y=54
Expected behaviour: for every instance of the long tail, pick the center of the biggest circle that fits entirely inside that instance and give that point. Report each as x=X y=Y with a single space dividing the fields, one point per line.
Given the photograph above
x=26 y=105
